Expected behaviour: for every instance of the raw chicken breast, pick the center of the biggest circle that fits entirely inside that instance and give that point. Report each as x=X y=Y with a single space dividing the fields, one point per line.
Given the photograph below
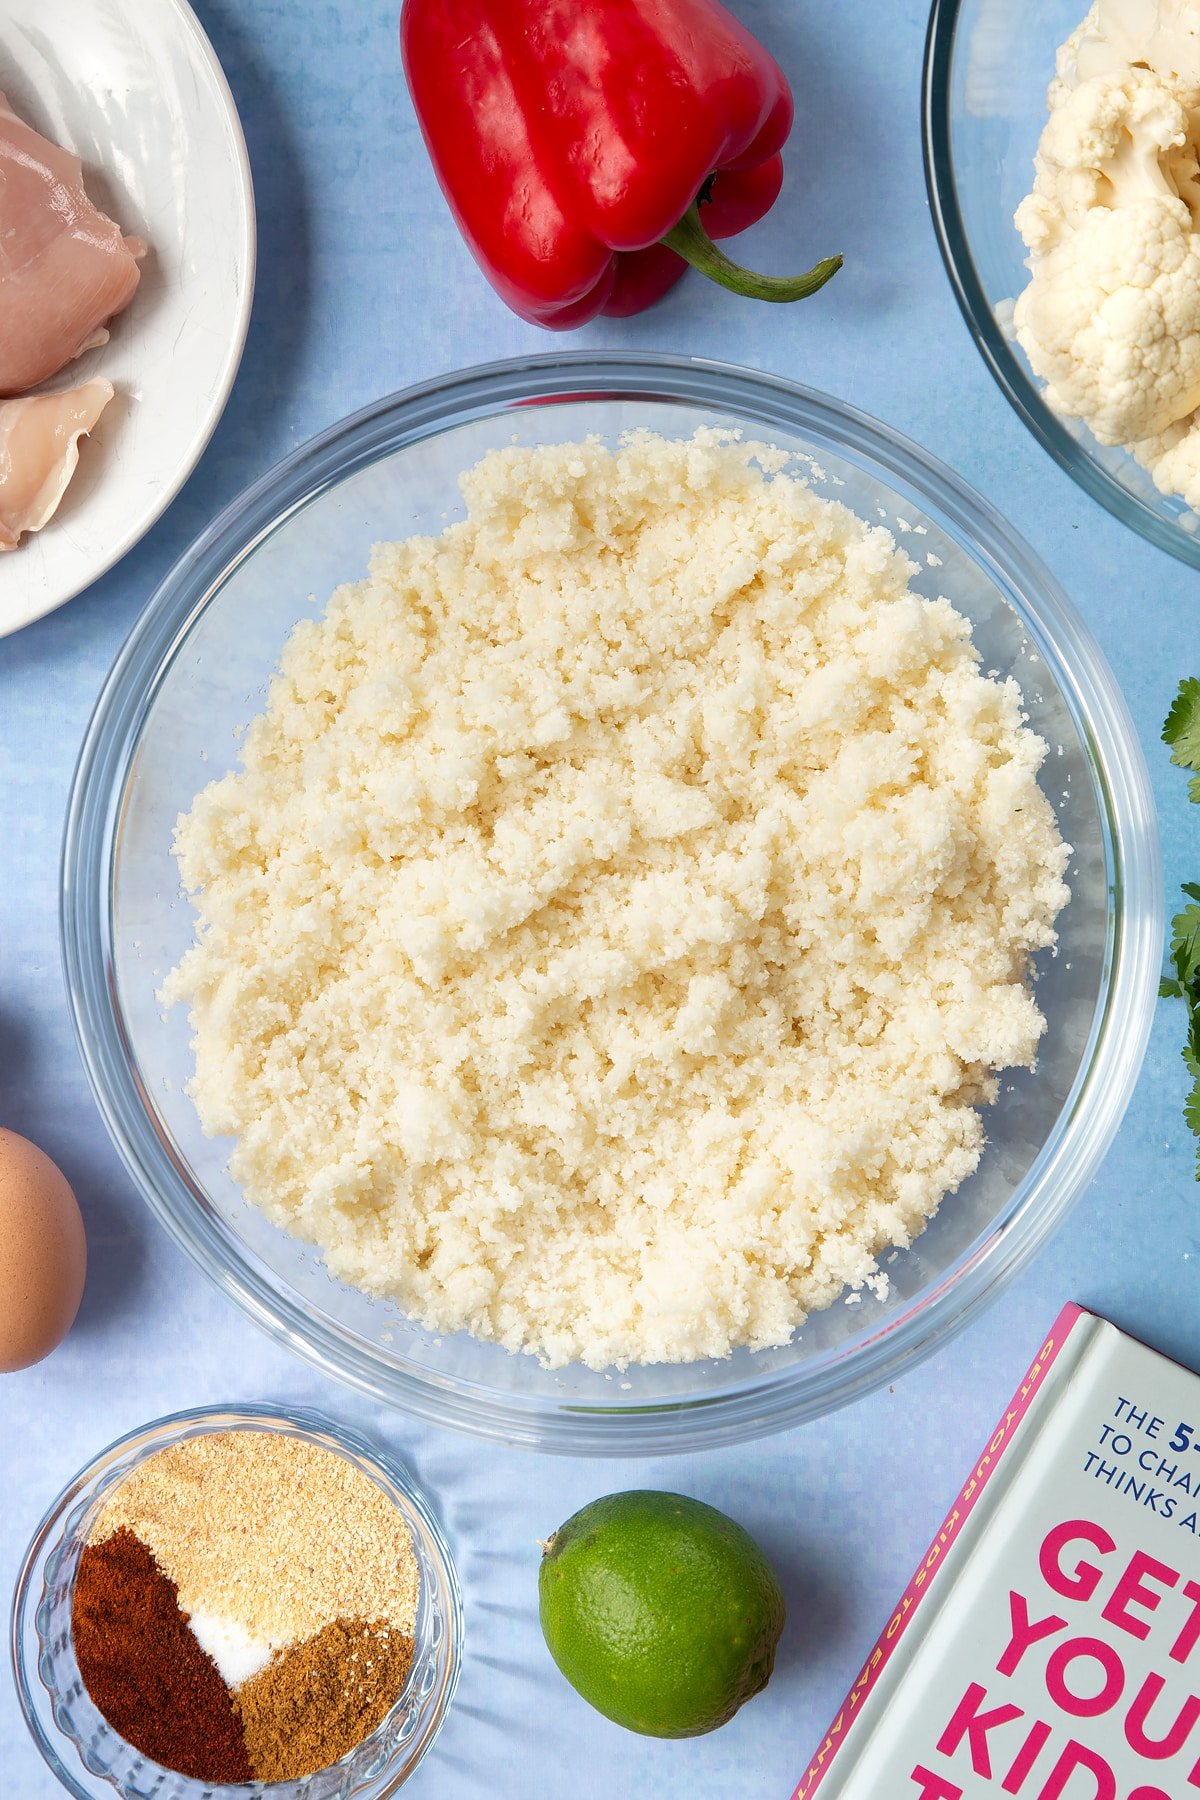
x=64 y=268
x=39 y=448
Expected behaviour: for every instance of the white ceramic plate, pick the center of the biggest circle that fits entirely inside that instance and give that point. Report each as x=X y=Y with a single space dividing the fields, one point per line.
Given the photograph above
x=134 y=89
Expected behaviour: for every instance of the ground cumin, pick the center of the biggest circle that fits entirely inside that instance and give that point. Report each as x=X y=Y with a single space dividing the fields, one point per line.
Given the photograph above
x=144 y=1669
x=317 y=1701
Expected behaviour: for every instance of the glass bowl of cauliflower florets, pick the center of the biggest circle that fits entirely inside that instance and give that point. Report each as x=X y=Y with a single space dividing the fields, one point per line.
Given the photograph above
x=1063 y=157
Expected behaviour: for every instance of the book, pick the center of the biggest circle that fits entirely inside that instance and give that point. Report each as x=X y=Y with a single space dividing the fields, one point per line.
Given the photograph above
x=1048 y=1644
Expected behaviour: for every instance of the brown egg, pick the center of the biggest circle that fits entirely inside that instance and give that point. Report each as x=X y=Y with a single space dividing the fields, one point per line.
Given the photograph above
x=43 y=1254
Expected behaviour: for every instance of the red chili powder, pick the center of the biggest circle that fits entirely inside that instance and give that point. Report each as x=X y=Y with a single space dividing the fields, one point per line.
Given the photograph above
x=144 y=1669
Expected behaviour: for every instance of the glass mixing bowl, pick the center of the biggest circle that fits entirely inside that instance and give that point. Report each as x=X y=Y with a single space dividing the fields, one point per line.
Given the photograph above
x=93 y=1761
x=194 y=670
x=988 y=64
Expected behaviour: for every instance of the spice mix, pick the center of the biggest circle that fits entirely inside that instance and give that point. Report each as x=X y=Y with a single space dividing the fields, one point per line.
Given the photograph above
x=245 y=1607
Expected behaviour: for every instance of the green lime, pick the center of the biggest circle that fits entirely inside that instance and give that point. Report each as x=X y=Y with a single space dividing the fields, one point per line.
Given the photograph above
x=662 y=1612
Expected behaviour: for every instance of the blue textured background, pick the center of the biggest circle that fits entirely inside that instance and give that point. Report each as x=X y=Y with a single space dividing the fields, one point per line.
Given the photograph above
x=363 y=287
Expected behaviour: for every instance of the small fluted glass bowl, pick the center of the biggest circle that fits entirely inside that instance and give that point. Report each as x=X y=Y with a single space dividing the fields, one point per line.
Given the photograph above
x=194 y=671
x=988 y=64
x=91 y=1760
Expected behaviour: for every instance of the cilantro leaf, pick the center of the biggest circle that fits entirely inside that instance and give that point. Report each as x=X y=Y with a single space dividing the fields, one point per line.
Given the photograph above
x=1182 y=732
x=1185 y=945
x=1191 y=1112
x=1182 y=728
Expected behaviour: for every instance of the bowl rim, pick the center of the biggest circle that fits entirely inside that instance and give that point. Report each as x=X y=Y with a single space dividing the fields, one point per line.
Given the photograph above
x=313 y=1426
x=1073 y=1148
x=1014 y=383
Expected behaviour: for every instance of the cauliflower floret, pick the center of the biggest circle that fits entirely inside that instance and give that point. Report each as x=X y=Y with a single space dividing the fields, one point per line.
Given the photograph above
x=1115 y=35
x=1111 y=320
x=1163 y=34
x=1111 y=316
x=1109 y=142
x=1173 y=459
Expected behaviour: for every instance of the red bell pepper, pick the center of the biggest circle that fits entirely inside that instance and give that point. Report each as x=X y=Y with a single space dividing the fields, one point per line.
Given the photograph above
x=579 y=143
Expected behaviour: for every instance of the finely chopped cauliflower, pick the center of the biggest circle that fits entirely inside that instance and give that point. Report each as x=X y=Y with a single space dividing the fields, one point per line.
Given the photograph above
x=1111 y=316
x=622 y=909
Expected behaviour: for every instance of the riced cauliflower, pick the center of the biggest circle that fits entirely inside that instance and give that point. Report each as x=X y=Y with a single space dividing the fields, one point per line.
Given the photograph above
x=1111 y=317
x=622 y=910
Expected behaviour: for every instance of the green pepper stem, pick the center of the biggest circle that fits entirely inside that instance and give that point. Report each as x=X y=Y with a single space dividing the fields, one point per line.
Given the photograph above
x=690 y=240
